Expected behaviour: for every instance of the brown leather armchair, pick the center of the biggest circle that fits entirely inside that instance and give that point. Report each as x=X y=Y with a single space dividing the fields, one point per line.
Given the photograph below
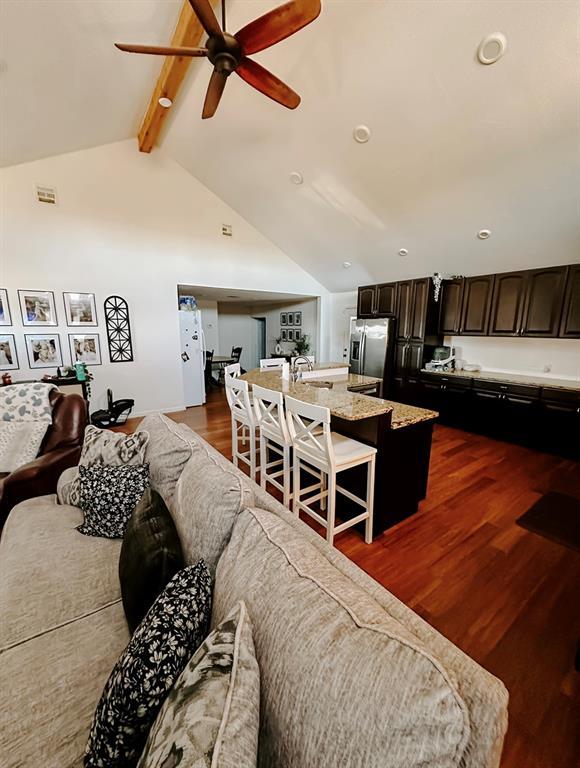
x=60 y=449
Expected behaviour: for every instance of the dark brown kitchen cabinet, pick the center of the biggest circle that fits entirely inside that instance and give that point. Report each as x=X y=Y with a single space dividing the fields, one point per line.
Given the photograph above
x=477 y=295
x=570 y=325
x=386 y=299
x=507 y=305
x=408 y=357
x=543 y=305
x=450 y=307
x=366 y=301
x=419 y=305
x=404 y=304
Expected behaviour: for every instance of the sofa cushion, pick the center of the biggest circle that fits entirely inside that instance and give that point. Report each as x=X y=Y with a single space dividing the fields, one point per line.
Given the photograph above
x=108 y=497
x=168 y=451
x=49 y=573
x=150 y=556
x=212 y=715
x=172 y=630
x=50 y=686
x=207 y=501
x=341 y=680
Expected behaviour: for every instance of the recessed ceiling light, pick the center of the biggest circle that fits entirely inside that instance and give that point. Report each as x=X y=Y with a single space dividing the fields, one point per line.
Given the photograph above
x=296 y=177
x=492 y=48
x=346 y=264
x=361 y=134
x=165 y=102
x=403 y=251
x=484 y=234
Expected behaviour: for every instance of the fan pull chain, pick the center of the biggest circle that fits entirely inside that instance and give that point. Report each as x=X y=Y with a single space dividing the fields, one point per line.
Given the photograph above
x=223 y=15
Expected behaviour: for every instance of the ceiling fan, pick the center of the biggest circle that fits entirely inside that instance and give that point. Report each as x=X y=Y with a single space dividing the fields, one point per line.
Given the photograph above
x=229 y=53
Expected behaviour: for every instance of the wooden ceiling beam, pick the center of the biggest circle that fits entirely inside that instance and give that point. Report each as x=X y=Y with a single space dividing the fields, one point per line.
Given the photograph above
x=188 y=32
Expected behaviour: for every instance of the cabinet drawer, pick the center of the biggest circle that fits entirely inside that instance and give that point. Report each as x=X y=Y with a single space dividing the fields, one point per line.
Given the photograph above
x=567 y=397
x=452 y=381
x=523 y=390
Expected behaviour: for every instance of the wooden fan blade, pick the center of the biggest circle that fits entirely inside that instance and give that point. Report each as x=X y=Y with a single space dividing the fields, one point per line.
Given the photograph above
x=267 y=83
x=277 y=25
x=162 y=50
x=215 y=89
x=206 y=16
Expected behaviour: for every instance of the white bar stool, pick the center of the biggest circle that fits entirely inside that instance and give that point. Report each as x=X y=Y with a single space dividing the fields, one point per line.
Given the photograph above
x=244 y=426
x=330 y=453
x=272 y=363
x=274 y=437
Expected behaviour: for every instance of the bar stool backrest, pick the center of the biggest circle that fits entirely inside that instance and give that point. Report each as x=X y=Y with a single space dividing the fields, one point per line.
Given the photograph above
x=309 y=427
x=231 y=372
x=238 y=396
x=272 y=363
x=269 y=409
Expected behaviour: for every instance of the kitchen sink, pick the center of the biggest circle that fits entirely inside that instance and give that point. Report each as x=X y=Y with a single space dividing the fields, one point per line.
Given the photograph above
x=319 y=384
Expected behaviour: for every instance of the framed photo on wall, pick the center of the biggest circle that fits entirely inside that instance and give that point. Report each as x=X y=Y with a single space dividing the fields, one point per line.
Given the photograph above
x=80 y=309
x=297 y=334
x=37 y=308
x=290 y=318
x=298 y=318
x=284 y=334
x=85 y=348
x=43 y=350
x=8 y=355
x=5 y=314
x=290 y=334
x=283 y=318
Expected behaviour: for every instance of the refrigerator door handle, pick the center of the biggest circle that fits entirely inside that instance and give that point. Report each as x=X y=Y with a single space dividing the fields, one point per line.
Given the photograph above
x=363 y=345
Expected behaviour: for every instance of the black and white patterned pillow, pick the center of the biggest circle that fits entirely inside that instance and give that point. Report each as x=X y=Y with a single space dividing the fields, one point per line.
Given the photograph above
x=108 y=496
x=170 y=633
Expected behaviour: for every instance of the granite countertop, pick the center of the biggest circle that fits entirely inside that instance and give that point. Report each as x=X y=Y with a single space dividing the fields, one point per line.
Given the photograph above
x=511 y=378
x=342 y=403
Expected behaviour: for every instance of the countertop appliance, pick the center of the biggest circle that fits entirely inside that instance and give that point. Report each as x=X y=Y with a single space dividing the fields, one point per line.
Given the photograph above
x=372 y=349
x=443 y=359
x=193 y=357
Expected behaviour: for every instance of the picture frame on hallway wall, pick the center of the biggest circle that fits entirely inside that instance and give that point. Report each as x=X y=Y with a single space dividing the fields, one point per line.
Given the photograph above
x=284 y=334
x=290 y=334
x=85 y=348
x=8 y=353
x=43 y=350
x=80 y=309
x=5 y=314
x=283 y=318
x=290 y=316
x=37 y=307
x=298 y=318
x=297 y=334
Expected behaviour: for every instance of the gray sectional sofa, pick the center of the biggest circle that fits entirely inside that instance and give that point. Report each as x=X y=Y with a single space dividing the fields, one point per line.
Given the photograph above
x=350 y=677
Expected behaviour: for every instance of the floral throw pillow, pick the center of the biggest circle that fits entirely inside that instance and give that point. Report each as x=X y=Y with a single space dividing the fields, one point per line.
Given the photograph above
x=108 y=496
x=172 y=630
x=211 y=717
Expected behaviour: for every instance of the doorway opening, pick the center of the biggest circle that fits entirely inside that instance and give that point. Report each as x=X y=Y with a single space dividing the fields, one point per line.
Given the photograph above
x=260 y=336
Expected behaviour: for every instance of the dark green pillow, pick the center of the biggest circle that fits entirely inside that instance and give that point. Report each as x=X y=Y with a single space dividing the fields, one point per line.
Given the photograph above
x=150 y=556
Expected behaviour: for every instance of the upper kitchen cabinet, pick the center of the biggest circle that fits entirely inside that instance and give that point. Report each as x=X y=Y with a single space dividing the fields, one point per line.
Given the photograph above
x=404 y=309
x=419 y=309
x=570 y=325
x=386 y=299
x=477 y=293
x=450 y=307
x=507 y=305
x=543 y=305
x=377 y=300
x=366 y=301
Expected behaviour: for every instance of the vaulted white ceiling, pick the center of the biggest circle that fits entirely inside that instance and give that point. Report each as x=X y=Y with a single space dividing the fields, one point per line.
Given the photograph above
x=455 y=146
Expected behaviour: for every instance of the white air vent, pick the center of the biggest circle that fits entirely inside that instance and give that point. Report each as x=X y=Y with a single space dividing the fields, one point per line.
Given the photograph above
x=227 y=230
x=46 y=194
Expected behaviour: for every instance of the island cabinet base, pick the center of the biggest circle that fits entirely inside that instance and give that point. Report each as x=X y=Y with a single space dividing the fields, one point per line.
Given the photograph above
x=402 y=469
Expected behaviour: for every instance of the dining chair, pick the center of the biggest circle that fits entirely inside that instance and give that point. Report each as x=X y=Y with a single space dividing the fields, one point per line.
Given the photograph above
x=316 y=446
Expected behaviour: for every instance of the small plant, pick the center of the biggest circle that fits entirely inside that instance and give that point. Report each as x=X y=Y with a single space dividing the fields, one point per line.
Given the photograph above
x=302 y=346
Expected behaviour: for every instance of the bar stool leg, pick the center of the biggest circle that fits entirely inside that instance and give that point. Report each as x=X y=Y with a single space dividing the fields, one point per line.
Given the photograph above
x=263 y=462
x=235 y=442
x=253 y=446
x=370 y=500
x=322 y=489
x=330 y=517
x=287 y=473
x=296 y=482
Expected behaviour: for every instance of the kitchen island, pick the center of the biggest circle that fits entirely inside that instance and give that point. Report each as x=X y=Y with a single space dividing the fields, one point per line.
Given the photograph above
x=401 y=434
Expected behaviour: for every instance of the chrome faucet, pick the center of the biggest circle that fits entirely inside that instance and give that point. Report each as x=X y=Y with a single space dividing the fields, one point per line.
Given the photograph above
x=296 y=373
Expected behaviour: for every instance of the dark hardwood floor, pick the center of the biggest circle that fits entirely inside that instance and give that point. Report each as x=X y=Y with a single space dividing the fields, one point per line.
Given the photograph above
x=507 y=597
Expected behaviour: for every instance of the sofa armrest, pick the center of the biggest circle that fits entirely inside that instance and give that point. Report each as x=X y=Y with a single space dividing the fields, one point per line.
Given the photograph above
x=37 y=478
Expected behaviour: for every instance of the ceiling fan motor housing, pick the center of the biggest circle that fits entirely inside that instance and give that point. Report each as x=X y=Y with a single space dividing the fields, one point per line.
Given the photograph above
x=225 y=53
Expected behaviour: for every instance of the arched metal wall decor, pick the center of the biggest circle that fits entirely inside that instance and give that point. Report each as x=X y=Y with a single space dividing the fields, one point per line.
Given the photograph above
x=118 y=330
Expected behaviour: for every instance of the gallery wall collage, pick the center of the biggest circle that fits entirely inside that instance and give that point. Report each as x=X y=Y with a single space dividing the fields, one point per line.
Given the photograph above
x=38 y=310
x=290 y=319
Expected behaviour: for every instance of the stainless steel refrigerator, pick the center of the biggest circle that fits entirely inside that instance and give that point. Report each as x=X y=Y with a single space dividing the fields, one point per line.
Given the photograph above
x=372 y=349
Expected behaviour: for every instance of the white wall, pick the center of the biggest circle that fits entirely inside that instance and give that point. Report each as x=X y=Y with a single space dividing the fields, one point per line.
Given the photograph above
x=342 y=308
x=528 y=356
x=238 y=329
x=210 y=323
x=135 y=225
